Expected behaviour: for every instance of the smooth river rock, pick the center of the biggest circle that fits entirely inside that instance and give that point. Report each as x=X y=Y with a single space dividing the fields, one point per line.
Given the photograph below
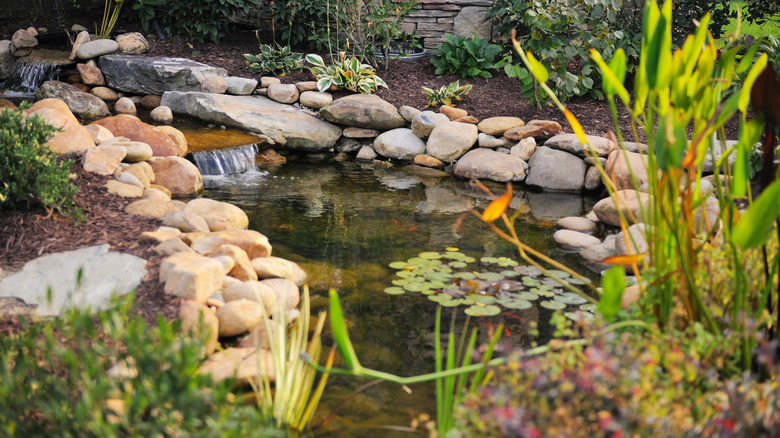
x=155 y=75
x=399 y=144
x=450 y=140
x=552 y=169
x=482 y=163
x=364 y=111
x=83 y=105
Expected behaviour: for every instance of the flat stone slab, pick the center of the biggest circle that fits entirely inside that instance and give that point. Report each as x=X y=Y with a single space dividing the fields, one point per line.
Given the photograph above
x=155 y=75
x=284 y=124
x=103 y=274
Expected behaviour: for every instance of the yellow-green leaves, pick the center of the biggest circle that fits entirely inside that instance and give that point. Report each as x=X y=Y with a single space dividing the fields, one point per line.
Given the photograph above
x=612 y=284
x=575 y=126
x=537 y=69
x=755 y=225
x=613 y=74
x=671 y=142
x=338 y=328
x=744 y=95
x=498 y=206
x=658 y=45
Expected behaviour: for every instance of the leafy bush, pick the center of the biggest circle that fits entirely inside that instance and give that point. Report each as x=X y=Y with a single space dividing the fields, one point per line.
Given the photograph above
x=299 y=23
x=447 y=94
x=30 y=173
x=348 y=74
x=277 y=61
x=467 y=57
x=198 y=19
x=761 y=11
x=685 y=14
x=55 y=377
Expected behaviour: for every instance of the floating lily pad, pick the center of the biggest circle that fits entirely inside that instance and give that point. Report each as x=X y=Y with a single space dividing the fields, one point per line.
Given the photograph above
x=553 y=305
x=483 y=310
x=509 y=273
x=531 y=282
x=399 y=265
x=517 y=304
x=488 y=260
x=484 y=299
x=405 y=274
x=429 y=255
x=468 y=259
x=558 y=273
x=451 y=303
x=579 y=316
x=576 y=281
x=428 y=291
x=438 y=276
x=464 y=275
x=440 y=298
x=548 y=281
x=400 y=282
x=531 y=271
x=506 y=262
x=454 y=255
x=590 y=307
x=570 y=298
x=490 y=276
x=542 y=292
x=458 y=265
x=394 y=290
x=527 y=296
x=435 y=284
x=421 y=262
x=414 y=287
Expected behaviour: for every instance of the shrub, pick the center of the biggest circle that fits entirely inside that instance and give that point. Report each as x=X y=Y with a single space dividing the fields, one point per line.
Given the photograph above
x=447 y=94
x=761 y=11
x=467 y=57
x=686 y=13
x=299 y=23
x=348 y=74
x=30 y=173
x=277 y=61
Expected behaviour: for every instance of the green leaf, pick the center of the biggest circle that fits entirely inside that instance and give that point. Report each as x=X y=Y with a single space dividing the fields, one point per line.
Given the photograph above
x=612 y=284
x=754 y=226
x=537 y=69
x=338 y=328
x=744 y=95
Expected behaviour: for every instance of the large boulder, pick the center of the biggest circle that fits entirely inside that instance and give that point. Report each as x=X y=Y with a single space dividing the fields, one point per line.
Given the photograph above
x=176 y=174
x=552 y=169
x=72 y=138
x=571 y=143
x=254 y=243
x=83 y=105
x=6 y=59
x=136 y=130
x=155 y=75
x=364 y=111
x=485 y=163
x=93 y=49
x=621 y=164
x=229 y=212
x=631 y=204
x=196 y=279
x=284 y=124
x=23 y=39
x=132 y=43
x=399 y=144
x=450 y=140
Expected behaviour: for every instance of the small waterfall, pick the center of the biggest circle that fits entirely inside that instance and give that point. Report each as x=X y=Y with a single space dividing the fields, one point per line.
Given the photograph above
x=28 y=76
x=226 y=161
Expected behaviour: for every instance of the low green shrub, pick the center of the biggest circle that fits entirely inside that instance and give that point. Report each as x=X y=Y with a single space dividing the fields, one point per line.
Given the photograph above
x=277 y=61
x=349 y=74
x=467 y=57
x=447 y=94
x=30 y=173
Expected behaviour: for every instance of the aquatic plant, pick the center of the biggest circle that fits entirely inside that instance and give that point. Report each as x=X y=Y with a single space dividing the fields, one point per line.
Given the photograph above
x=110 y=16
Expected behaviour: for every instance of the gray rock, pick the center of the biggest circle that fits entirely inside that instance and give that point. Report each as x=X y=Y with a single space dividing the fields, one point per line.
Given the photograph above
x=315 y=99
x=707 y=165
x=366 y=153
x=155 y=75
x=450 y=140
x=93 y=49
x=552 y=205
x=6 y=59
x=489 y=141
x=592 y=179
x=283 y=124
x=622 y=164
x=399 y=144
x=594 y=255
x=348 y=145
x=240 y=86
x=631 y=203
x=471 y=19
x=556 y=170
x=23 y=39
x=424 y=122
x=577 y=223
x=283 y=93
x=637 y=242
x=408 y=112
x=574 y=240
x=364 y=111
x=571 y=143
x=484 y=163
x=84 y=106
x=103 y=274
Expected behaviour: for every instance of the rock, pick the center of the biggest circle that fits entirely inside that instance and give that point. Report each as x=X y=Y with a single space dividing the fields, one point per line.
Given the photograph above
x=276 y=267
x=428 y=161
x=169 y=263
x=178 y=138
x=496 y=126
x=366 y=153
x=84 y=278
x=592 y=179
x=195 y=279
x=162 y=114
x=209 y=207
x=162 y=234
x=170 y=247
x=348 y=145
x=488 y=141
x=525 y=149
x=153 y=207
x=286 y=291
x=83 y=105
x=55 y=104
x=538 y=129
x=81 y=38
x=72 y=138
x=6 y=59
x=484 y=163
x=631 y=203
x=267 y=81
x=556 y=170
x=93 y=49
x=364 y=111
x=104 y=93
x=254 y=243
x=253 y=291
x=399 y=144
x=706 y=164
x=22 y=39
x=452 y=113
x=450 y=140
x=103 y=160
x=5 y=103
x=621 y=164
x=424 y=122
x=99 y=134
x=150 y=101
x=90 y=75
x=240 y=86
x=574 y=241
x=240 y=364
x=283 y=93
x=238 y=316
x=213 y=84
x=596 y=254
x=242 y=268
x=185 y=221
x=471 y=120
x=133 y=129
x=153 y=193
x=408 y=112
x=576 y=223
x=284 y=124
x=136 y=151
x=353 y=132
x=570 y=143
x=269 y=158
x=129 y=178
x=155 y=75
x=427 y=175
x=199 y=321
x=176 y=174
x=117 y=188
x=306 y=86
x=633 y=243
x=132 y=43
x=710 y=220
x=315 y=99
x=125 y=106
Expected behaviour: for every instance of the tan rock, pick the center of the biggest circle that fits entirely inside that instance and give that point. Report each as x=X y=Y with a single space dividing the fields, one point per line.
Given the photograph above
x=199 y=321
x=171 y=247
x=269 y=158
x=90 y=75
x=499 y=125
x=283 y=93
x=266 y=81
x=428 y=161
x=178 y=175
x=239 y=316
x=135 y=130
x=452 y=113
x=169 y=263
x=315 y=99
x=104 y=93
x=243 y=268
x=213 y=84
x=238 y=363
x=277 y=267
x=470 y=120
x=227 y=265
x=153 y=207
x=136 y=151
x=99 y=134
x=252 y=290
x=161 y=188
x=178 y=138
x=630 y=296
x=58 y=105
x=186 y=221
x=143 y=171
x=103 y=160
x=153 y=193
x=132 y=43
x=631 y=203
x=196 y=279
x=539 y=129
x=81 y=38
x=254 y=243
x=354 y=132
x=125 y=106
x=621 y=164
x=286 y=291
x=160 y=235
x=162 y=114
x=209 y=207
x=124 y=190
x=72 y=138
x=150 y=101
x=306 y=86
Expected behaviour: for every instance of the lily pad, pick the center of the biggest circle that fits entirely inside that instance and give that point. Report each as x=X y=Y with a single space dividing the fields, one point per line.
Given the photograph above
x=558 y=273
x=531 y=271
x=530 y=296
x=484 y=299
x=451 y=303
x=506 y=262
x=400 y=282
x=517 y=304
x=542 y=292
x=553 y=305
x=579 y=316
x=490 y=276
x=395 y=290
x=576 y=281
x=440 y=298
x=508 y=273
x=483 y=310
x=405 y=274
x=488 y=260
x=429 y=255
x=590 y=307
x=457 y=264
x=399 y=265
x=454 y=255
x=438 y=276
x=464 y=275
x=414 y=287
x=570 y=298
x=468 y=259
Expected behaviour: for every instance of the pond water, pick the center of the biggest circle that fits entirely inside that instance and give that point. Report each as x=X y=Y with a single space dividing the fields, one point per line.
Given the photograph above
x=345 y=222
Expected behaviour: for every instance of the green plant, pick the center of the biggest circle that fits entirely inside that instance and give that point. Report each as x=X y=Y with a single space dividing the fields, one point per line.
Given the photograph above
x=110 y=15
x=348 y=74
x=277 y=61
x=761 y=11
x=447 y=94
x=299 y=22
x=467 y=57
x=30 y=173
x=685 y=13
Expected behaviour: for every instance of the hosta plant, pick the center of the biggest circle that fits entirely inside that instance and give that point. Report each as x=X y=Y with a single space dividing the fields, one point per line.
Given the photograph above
x=447 y=94
x=349 y=74
x=277 y=60
x=467 y=57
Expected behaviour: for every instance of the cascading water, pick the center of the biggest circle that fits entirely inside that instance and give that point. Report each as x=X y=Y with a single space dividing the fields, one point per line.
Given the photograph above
x=28 y=76
x=226 y=161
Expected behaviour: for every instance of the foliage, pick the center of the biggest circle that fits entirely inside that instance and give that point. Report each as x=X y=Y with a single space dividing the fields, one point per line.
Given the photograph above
x=110 y=15
x=623 y=385
x=348 y=74
x=563 y=32
x=299 y=22
x=30 y=173
x=761 y=11
x=55 y=377
x=447 y=94
x=200 y=20
x=685 y=13
x=277 y=61
x=467 y=57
